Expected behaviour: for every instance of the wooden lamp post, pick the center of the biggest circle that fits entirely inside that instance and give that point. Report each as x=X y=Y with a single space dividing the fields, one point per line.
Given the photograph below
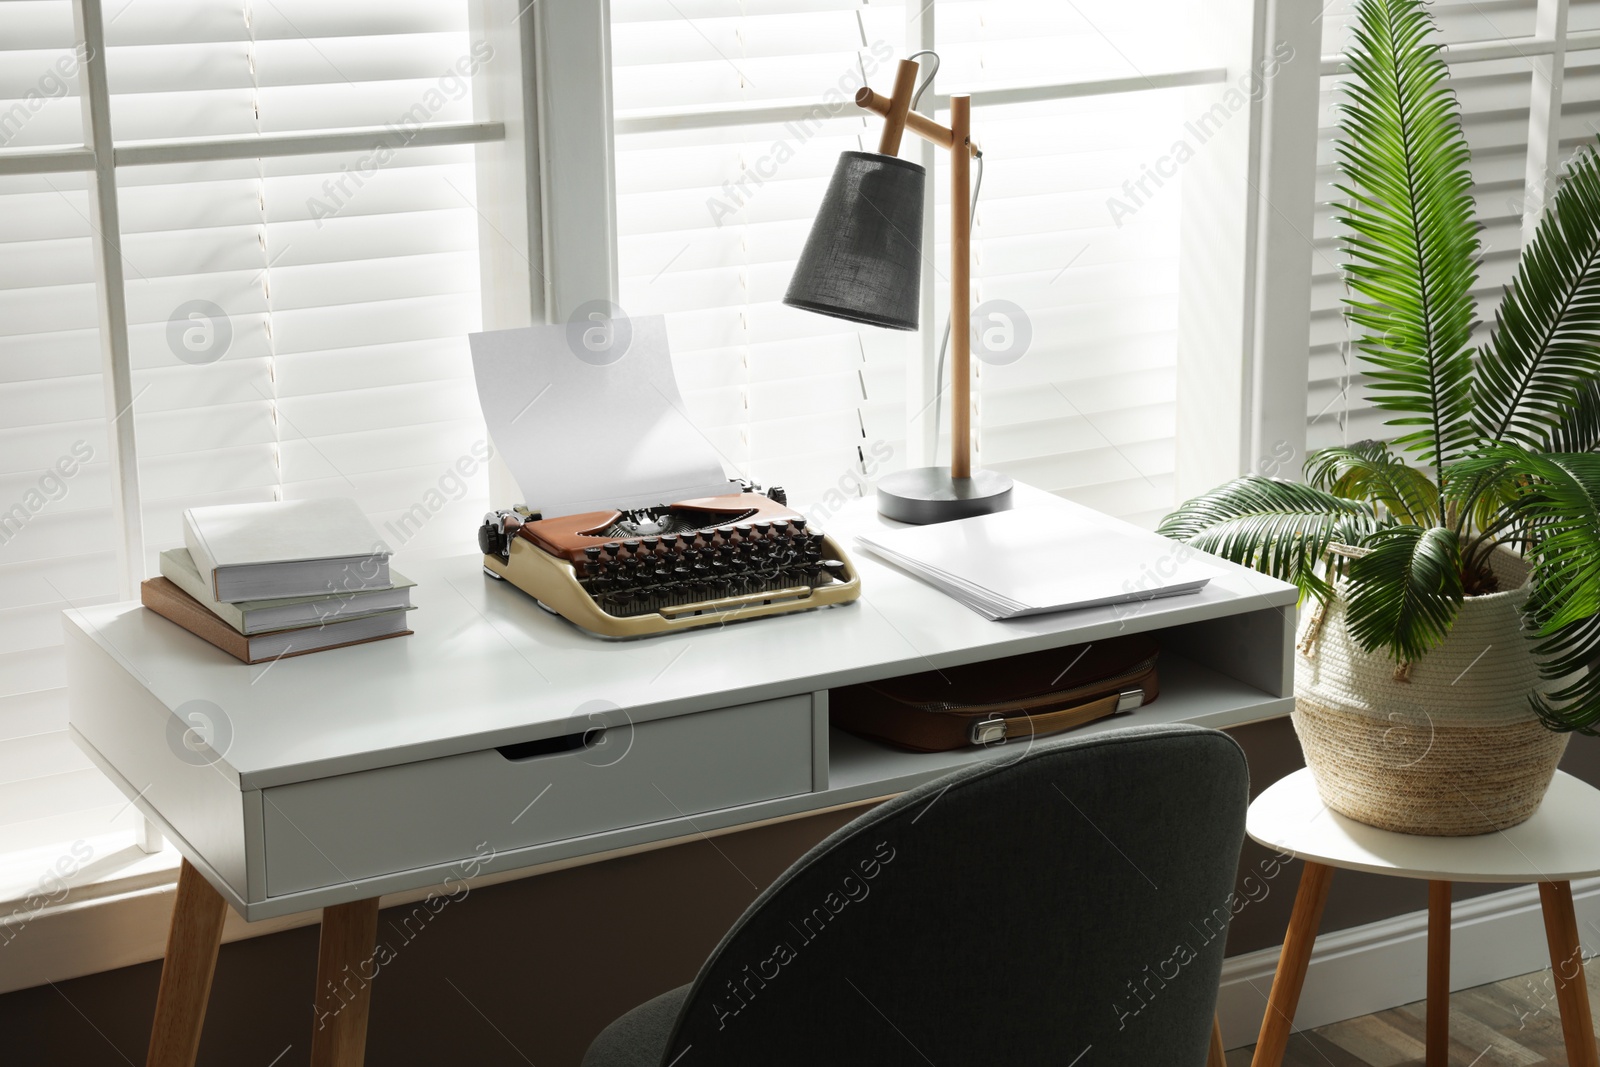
x=862 y=262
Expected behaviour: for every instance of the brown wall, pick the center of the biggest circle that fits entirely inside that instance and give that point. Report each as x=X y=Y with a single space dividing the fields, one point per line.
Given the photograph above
x=528 y=971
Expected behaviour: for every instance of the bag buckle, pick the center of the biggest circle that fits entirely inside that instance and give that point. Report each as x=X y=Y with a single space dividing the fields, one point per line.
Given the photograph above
x=988 y=731
x=1129 y=700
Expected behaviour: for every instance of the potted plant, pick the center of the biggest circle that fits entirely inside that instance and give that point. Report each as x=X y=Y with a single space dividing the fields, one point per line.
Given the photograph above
x=1455 y=572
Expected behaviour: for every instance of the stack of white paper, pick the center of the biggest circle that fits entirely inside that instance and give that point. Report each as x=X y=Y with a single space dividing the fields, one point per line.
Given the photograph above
x=1030 y=561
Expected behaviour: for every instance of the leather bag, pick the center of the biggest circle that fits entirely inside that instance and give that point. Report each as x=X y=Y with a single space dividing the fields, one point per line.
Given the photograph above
x=980 y=704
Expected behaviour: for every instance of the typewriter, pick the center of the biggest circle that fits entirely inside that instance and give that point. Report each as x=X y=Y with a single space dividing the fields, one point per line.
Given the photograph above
x=653 y=570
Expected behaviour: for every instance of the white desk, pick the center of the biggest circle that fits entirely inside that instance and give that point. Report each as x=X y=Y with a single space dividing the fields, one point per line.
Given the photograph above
x=337 y=777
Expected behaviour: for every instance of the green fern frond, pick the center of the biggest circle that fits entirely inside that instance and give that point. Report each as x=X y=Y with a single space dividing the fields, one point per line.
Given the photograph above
x=1280 y=528
x=1405 y=592
x=1579 y=430
x=1481 y=489
x=1545 y=349
x=1560 y=502
x=1369 y=471
x=1571 y=663
x=1412 y=243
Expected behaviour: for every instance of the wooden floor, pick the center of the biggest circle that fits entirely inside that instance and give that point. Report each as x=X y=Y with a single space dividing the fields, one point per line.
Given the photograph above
x=1513 y=1022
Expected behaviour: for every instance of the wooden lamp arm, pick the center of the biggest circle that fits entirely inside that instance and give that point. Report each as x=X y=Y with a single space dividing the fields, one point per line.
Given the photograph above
x=916 y=122
x=898 y=108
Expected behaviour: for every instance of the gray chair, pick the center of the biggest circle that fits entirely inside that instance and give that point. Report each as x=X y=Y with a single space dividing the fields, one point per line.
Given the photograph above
x=1069 y=900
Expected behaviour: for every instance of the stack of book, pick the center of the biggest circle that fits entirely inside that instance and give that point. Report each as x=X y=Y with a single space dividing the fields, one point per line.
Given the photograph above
x=264 y=581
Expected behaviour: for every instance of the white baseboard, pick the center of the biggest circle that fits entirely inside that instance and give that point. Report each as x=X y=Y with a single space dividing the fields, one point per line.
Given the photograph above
x=1382 y=965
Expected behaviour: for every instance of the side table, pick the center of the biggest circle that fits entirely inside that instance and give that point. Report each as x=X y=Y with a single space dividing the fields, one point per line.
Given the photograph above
x=1561 y=842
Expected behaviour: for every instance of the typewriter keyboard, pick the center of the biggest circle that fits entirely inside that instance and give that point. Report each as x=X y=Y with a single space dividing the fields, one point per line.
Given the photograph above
x=638 y=576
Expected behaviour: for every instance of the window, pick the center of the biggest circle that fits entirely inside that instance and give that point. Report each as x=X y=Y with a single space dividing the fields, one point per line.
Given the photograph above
x=1527 y=75
x=728 y=120
x=290 y=220
x=241 y=246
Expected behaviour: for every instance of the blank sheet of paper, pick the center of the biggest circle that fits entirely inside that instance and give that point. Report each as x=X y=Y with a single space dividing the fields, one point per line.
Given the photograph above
x=581 y=433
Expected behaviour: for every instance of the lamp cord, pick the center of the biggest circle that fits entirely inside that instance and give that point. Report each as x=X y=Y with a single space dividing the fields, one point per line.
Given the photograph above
x=927 y=81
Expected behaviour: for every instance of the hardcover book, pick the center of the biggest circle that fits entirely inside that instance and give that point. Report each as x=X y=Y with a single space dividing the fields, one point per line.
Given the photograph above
x=285 y=613
x=172 y=603
x=285 y=548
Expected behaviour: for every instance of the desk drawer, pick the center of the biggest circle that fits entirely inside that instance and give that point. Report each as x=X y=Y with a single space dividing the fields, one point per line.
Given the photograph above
x=392 y=819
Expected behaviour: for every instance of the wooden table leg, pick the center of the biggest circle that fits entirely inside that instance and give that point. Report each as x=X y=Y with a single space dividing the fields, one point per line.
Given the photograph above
x=1292 y=963
x=1566 y=962
x=191 y=960
x=1216 y=1057
x=345 y=969
x=1438 y=974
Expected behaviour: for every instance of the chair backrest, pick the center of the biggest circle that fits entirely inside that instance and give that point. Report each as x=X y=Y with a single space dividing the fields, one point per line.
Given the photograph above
x=1067 y=900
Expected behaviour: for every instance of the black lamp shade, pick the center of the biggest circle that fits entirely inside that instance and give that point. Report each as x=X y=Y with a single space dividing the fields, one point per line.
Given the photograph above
x=863 y=259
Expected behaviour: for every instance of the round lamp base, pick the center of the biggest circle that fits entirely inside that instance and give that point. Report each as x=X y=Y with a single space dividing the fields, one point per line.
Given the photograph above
x=926 y=495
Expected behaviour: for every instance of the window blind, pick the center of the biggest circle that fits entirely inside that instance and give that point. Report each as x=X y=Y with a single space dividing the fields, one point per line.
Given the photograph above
x=711 y=219
x=56 y=541
x=1088 y=410
x=1494 y=97
x=296 y=324
x=714 y=203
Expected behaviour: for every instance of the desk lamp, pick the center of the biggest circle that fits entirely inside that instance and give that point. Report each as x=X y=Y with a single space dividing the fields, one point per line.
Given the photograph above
x=863 y=262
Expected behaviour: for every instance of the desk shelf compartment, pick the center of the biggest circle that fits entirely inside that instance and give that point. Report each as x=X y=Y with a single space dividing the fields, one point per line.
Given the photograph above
x=350 y=827
x=1190 y=692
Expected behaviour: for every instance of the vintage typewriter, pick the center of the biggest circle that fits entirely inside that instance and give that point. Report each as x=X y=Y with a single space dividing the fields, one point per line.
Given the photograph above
x=653 y=570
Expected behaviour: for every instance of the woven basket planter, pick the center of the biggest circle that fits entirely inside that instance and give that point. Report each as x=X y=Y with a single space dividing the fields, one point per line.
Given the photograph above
x=1448 y=748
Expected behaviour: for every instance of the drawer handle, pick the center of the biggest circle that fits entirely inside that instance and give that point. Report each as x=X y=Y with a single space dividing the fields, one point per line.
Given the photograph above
x=553 y=746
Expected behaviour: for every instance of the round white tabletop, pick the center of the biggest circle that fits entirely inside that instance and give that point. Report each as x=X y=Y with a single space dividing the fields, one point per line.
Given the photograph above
x=1560 y=843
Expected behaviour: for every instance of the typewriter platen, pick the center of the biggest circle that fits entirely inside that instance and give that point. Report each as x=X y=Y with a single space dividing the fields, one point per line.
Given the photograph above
x=677 y=566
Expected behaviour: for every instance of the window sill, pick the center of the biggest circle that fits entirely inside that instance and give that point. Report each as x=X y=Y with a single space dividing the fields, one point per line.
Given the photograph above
x=95 y=905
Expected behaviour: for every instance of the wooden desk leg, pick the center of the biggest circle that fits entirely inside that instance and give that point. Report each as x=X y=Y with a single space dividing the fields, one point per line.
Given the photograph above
x=1438 y=974
x=1216 y=1057
x=345 y=970
x=1566 y=962
x=191 y=960
x=1292 y=963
